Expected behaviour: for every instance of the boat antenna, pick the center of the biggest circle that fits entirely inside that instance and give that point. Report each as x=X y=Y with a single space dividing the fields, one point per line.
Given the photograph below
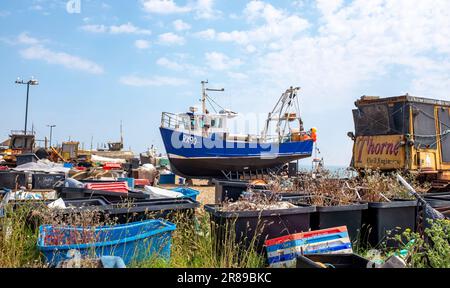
x=121 y=135
x=205 y=96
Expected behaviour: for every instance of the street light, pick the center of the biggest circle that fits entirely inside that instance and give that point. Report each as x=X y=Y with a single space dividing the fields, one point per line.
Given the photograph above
x=32 y=81
x=51 y=130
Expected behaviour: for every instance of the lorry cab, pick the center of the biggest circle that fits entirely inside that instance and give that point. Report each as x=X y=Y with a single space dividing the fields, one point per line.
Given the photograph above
x=18 y=143
x=402 y=133
x=21 y=143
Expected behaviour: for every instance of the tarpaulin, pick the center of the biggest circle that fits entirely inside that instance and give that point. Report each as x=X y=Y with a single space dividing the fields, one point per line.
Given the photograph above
x=43 y=166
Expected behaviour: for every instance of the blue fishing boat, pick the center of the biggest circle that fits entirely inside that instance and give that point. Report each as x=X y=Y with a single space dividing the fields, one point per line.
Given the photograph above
x=199 y=145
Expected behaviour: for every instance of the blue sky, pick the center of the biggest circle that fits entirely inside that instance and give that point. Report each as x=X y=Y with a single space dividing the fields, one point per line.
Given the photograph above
x=131 y=60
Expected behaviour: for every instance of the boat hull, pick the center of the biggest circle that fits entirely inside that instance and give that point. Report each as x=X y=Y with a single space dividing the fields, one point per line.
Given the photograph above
x=194 y=156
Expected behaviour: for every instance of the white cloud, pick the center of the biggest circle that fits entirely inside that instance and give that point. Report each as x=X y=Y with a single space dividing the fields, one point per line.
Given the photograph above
x=142 y=44
x=38 y=52
x=24 y=38
x=327 y=7
x=163 y=7
x=170 y=39
x=180 y=25
x=237 y=75
x=250 y=48
x=204 y=10
x=220 y=61
x=164 y=62
x=127 y=28
x=138 y=81
x=179 y=65
x=208 y=34
x=277 y=25
x=94 y=28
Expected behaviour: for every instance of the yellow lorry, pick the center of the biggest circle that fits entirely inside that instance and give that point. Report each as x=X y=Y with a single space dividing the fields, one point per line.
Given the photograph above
x=403 y=133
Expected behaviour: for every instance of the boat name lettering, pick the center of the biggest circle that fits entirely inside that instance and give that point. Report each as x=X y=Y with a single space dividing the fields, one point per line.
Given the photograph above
x=189 y=139
x=386 y=148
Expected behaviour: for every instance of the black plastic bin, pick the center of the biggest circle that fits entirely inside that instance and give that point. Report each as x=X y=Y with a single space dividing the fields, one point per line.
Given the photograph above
x=294 y=198
x=12 y=179
x=73 y=193
x=74 y=206
x=180 y=211
x=172 y=209
x=382 y=221
x=46 y=180
x=26 y=158
x=335 y=216
x=438 y=201
x=96 y=202
x=232 y=190
x=332 y=216
x=332 y=261
x=265 y=224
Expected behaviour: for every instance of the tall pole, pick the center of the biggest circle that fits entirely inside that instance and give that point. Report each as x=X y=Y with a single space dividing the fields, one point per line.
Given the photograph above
x=28 y=83
x=121 y=135
x=26 y=109
x=51 y=133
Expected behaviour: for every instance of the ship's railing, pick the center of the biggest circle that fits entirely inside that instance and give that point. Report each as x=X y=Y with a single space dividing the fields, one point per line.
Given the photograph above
x=171 y=120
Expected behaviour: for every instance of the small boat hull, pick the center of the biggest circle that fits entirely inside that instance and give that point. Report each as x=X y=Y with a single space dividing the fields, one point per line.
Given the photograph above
x=193 y=156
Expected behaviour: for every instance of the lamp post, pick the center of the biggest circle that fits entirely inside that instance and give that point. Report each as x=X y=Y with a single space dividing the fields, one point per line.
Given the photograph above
x=51 y=131
x=28 y=83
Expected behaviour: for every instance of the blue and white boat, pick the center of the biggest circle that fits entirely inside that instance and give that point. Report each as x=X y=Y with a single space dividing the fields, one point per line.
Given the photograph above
x=199 y=145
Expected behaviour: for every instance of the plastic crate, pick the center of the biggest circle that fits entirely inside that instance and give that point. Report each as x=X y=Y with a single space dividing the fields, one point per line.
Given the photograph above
x=130 y=181
x=133 y=242
x=167 y=178
x=282 y=251
x=187 y=192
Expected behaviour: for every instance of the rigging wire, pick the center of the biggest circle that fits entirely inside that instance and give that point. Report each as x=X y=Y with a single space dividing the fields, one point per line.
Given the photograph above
x=210 y=98
x=212 y=106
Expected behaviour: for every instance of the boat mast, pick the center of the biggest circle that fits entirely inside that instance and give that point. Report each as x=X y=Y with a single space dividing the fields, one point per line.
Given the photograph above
x=204 y=95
